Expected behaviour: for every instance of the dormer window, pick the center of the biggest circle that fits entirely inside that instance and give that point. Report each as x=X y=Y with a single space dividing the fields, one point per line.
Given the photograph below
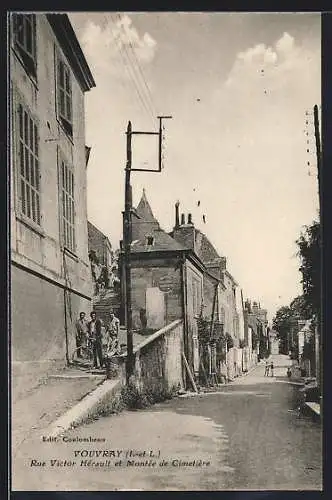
x=149 y=241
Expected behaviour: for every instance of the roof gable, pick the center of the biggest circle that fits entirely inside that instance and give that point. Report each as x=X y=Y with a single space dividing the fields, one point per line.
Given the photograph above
x=144 y=210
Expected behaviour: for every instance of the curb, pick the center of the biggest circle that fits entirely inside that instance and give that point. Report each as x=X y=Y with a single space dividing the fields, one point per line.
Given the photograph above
x=85 y=408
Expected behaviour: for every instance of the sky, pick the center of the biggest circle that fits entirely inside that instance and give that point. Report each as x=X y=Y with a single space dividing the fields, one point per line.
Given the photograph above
x=238 y=87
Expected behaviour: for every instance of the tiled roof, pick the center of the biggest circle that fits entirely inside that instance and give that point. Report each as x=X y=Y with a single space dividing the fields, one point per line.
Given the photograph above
x=205 y=248
x=161 y=241
x=144 y=210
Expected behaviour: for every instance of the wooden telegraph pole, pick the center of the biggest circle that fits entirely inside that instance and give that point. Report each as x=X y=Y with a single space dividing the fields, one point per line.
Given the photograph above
x=127 y=242
x=127 y=235
x=318 y=329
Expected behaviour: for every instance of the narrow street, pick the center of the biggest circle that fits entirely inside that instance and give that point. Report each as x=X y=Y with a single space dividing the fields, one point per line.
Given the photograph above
x=245 y=437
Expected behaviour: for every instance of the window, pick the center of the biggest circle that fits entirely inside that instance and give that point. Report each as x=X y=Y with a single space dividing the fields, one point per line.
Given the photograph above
x=29 y=175
x=67 y=206
x=64 y=95
x=149 y=240
x=24 y=28
x=196 y=296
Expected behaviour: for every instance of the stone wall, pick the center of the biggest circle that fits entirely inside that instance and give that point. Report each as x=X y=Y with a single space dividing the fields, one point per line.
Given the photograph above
x=156 y=274
x=158 y=360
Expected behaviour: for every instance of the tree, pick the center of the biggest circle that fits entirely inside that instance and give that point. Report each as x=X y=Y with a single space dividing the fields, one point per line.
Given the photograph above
x=282 y=323
x=309 y=252
x=299 y=308
x=286 y=319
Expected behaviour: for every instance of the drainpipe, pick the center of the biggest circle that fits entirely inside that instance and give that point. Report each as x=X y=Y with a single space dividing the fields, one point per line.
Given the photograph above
x=66 y=326
x=184 y=313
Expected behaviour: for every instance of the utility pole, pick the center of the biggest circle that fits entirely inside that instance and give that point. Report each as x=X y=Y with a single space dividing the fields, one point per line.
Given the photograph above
x=319 y=155
x=318 y=333
x=127 y=234
x=127 y=242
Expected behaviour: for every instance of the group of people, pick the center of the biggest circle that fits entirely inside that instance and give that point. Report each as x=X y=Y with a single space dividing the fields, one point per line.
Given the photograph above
x=89 y=337
x=269 y=368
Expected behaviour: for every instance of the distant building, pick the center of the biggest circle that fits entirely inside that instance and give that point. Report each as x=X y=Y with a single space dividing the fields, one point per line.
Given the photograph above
x=273 y=342
x=105 y=274
x=255 y=327
x=101 y=258
x=50 y=272
x=100 y=245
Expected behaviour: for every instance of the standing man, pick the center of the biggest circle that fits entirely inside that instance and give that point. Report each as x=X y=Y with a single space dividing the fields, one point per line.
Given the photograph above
x=114 y=325
x=81 y=334
x=95 y=336
x=272 y=367
x=113 y=342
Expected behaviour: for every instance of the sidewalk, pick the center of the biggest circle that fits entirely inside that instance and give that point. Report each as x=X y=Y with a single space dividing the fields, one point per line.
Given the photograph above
x=49 y=400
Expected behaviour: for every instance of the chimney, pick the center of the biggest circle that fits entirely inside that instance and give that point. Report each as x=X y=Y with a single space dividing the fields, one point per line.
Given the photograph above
x=183 y=220
x=177 y=218
x=190 y=219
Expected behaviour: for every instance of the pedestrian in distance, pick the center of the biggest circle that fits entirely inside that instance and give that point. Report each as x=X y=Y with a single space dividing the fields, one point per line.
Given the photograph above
x=81 y=334
x=272 y=368
x=95 y=336
x=114 y=325
x=267 y=368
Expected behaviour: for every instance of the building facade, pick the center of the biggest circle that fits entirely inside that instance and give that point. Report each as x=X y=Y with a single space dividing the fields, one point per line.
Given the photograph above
x=101 y=258
x=50 y=270
x=273 y=342
x=256 y=328
x=178 y=275
x=100 y=245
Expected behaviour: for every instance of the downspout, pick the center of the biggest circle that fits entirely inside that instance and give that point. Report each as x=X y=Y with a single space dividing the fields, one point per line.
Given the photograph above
x=66 y=326
x=65 y=295
x=184 y=314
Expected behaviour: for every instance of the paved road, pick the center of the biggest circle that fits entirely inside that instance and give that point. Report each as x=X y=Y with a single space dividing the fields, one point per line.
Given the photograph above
x=247 y=436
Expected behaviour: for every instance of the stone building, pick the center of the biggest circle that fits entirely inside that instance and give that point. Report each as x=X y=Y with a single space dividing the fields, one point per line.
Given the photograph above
x=99 y=243
x=176 y=275
x=256 y=328
x=217 y=279
x=50 y=271
x=273 y=342
x=101 y=257
x=167 y=281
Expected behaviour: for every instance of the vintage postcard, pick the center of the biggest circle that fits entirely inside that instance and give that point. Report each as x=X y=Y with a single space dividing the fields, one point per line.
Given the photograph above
x=165 y=251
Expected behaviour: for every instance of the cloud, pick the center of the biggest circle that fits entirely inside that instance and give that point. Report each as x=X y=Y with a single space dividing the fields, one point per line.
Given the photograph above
x=117 y=45
x=268 y=64
x=285 y=44
x=265 y=77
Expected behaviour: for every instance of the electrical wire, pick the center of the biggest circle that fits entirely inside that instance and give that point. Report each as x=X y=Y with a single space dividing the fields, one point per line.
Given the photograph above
x=148 y=91
x=129 y=68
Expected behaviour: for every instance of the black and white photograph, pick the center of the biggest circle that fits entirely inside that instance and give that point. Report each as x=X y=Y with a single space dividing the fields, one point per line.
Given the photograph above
x=165 y=251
